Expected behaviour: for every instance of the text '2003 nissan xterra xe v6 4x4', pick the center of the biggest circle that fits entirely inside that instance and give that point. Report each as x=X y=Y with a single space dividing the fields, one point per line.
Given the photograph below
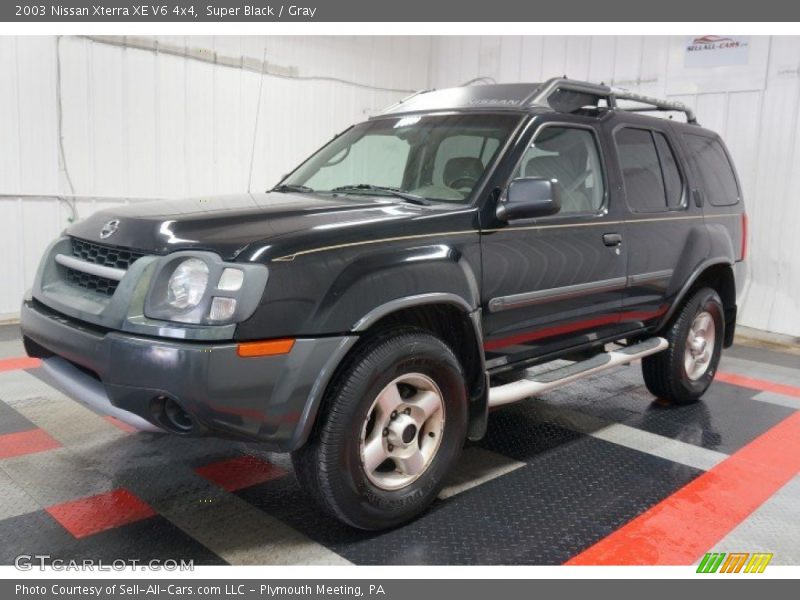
x=367 y=312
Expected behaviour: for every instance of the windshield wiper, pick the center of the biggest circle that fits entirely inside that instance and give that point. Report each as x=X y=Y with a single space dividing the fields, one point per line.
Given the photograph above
x=413 y=198
x=287 y=187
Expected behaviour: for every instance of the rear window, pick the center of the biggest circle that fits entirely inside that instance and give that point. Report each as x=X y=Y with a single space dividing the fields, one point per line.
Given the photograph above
x=650 y=172
x=715 y=170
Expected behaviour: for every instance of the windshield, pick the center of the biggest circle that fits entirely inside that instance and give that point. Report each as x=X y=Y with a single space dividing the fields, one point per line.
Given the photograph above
x=437 y=157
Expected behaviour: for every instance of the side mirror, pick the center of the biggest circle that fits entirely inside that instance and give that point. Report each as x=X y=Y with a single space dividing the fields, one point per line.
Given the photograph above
x=529 y=197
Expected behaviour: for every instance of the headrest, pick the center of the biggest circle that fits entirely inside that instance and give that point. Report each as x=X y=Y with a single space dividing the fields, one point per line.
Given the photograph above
x=551 y=167
x=460 y=167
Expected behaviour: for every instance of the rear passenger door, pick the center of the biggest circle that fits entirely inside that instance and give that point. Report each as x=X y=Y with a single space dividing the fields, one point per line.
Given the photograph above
x=557 y=281
x=658 y=227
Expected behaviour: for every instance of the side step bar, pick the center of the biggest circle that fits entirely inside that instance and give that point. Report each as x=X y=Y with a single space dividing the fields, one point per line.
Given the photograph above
x=539 y=383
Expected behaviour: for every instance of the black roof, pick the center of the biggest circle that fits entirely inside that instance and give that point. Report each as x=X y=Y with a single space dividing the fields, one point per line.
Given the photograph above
x=500 y=95
x=558 y=94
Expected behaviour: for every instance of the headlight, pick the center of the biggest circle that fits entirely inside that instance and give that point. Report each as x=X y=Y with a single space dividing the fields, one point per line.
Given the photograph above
x=200 y=288
x=187 y=284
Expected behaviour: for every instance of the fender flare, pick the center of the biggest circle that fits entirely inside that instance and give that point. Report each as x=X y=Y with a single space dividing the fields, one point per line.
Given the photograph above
x=478 y=399
x=681 y=295
x=377 y=313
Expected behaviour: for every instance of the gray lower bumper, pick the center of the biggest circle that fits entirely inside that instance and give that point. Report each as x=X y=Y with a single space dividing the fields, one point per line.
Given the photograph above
x=84 y=388
x=271 y=399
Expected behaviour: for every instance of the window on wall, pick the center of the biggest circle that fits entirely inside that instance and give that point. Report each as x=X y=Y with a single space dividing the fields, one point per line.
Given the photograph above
x=716 y=172
x=650 y=171
x=570 y=157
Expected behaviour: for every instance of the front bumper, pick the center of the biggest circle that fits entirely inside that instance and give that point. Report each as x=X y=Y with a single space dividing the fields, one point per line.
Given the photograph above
x=271 y=399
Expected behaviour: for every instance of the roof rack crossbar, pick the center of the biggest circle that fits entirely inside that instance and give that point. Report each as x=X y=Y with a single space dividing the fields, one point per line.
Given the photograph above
x=542 y=94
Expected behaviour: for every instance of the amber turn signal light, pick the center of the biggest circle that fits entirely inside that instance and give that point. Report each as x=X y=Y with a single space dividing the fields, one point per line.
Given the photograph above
x=267 y=348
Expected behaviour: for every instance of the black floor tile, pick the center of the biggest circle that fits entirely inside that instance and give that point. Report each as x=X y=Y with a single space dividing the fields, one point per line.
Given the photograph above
x=517 y=432
x=725 y=419
x=566 y=499
x=11 y=421
x=150 y=539
x=763 y=355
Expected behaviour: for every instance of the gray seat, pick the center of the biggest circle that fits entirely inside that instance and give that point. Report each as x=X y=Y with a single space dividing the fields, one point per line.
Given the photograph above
x=569 y=175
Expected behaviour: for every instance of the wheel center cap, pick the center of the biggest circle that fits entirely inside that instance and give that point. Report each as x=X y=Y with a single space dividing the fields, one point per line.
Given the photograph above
x=409 y=433
x=698 y=345
x=402 y=431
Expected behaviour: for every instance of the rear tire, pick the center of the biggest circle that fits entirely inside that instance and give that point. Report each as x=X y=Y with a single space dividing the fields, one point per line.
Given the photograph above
x=392 y=426
x=682 y=373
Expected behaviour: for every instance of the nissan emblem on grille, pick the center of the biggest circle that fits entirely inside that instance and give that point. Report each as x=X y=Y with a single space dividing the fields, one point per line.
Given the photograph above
x=109 y=229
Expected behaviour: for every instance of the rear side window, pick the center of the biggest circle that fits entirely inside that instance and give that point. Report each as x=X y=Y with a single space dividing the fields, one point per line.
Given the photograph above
x=673 y=184
x=650 y=172
x=714 y=168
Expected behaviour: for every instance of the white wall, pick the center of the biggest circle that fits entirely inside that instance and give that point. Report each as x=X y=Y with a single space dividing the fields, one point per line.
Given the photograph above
x=760 y=125
x=171 y=117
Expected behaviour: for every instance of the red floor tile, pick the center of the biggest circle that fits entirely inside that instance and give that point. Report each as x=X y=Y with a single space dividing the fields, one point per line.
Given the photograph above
x=758 y=384
x=26 y=442
x=87 y=516
x=685 y=525
x=13 y=364
x=120 y=424
x=238 y=473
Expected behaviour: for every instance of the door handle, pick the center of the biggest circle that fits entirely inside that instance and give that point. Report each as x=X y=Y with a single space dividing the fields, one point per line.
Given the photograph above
x=612 y=239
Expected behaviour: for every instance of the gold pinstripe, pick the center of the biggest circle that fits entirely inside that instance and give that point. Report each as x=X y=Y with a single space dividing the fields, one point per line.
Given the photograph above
x=291 y=257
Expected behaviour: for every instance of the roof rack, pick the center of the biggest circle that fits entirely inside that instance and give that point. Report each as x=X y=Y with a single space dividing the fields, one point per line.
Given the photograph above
x=542 y=97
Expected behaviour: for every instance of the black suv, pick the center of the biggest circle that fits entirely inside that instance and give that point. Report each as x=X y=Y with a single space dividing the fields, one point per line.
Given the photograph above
x=367 y=312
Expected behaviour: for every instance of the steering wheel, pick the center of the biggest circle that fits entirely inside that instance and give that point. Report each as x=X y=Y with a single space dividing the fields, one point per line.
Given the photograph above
x=464 y=181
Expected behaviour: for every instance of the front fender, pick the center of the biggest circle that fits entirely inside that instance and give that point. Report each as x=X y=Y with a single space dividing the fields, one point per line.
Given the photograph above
x=329 y=293
x=374 y=285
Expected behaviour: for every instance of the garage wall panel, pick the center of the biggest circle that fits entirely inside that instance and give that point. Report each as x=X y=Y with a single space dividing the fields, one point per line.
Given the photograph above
x=10 y=167
x=36 y=87
x=172 y=116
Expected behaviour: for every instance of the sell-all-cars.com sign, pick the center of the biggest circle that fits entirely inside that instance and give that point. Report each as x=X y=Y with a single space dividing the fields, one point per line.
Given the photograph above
x=716 y=51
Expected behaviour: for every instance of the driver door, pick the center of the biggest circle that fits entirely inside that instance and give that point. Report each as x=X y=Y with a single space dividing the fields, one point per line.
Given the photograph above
x=555 y=282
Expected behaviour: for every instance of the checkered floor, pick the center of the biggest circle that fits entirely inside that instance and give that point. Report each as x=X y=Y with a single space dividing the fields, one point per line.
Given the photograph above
x=560 y=478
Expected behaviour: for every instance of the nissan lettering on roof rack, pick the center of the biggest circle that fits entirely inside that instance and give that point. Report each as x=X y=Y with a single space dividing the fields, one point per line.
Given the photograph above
x=440 y=259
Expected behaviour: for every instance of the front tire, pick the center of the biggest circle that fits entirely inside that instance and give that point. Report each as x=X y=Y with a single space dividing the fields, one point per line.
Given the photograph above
x=392 y=426
x=682 y=373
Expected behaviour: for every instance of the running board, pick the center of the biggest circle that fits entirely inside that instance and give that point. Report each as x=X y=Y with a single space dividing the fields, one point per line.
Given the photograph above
x=535 y=384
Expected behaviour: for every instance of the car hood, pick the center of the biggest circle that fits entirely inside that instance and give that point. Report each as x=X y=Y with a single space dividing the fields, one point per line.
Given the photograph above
x=229 y=224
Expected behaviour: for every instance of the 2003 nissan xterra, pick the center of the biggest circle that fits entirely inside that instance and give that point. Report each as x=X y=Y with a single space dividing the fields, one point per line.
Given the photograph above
x=367 y=312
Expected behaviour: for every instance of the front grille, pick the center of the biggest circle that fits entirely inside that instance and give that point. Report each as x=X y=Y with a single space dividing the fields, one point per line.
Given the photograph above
x=95 y=283
x=99 y=254
x=108 y=256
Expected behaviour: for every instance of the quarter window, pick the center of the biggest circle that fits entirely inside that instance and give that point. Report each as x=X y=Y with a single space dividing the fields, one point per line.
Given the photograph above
x=570 y=157
x=649 y=170
x=673 y=184
x=716 y=172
